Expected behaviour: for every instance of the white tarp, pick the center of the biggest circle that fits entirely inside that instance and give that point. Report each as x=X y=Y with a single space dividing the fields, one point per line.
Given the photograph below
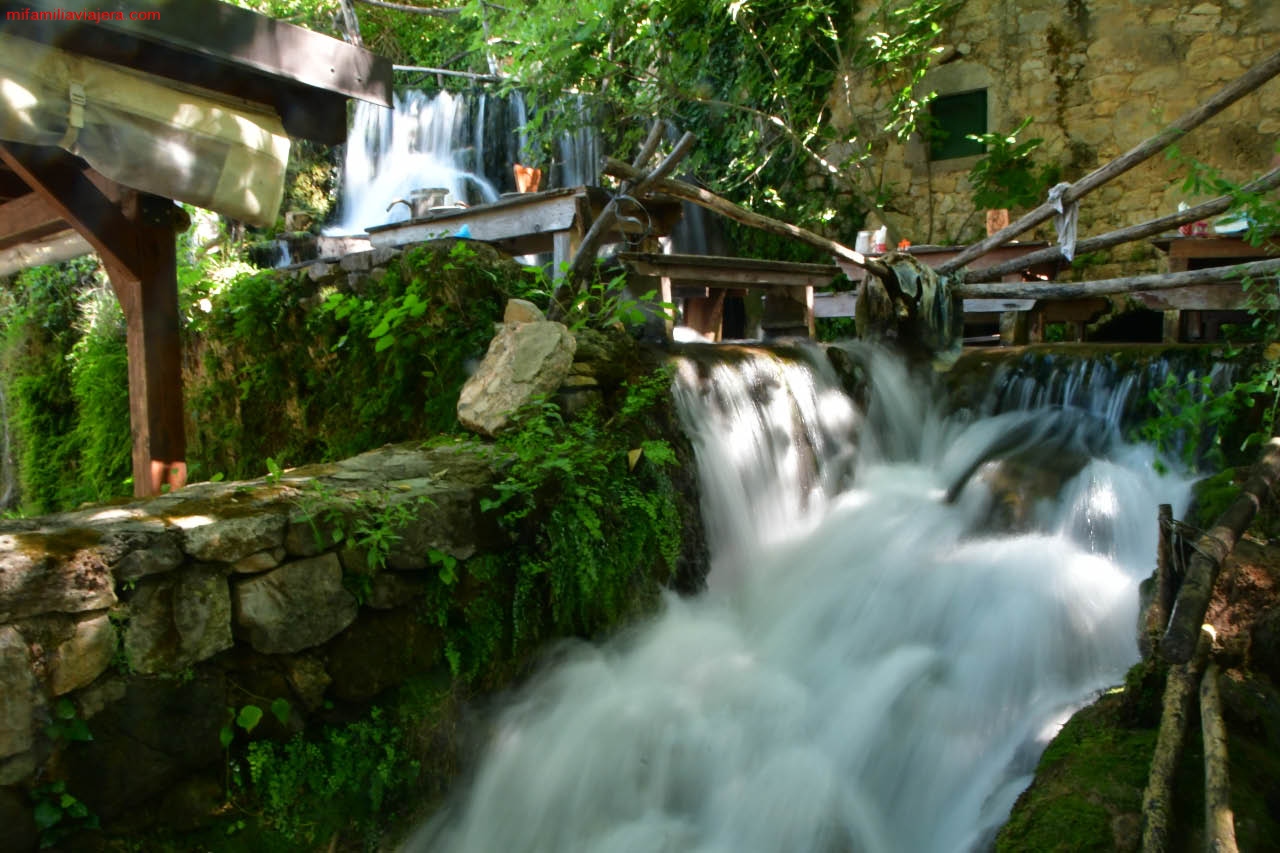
x=144 y=132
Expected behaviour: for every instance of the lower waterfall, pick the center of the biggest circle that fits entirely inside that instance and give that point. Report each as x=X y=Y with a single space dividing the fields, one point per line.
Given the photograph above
x=884 y=648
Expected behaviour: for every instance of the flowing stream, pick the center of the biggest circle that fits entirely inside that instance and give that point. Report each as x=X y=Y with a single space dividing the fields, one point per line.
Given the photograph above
x=873 y=667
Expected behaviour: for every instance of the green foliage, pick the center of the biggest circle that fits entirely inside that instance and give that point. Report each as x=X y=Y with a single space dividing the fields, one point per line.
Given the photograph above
x=1209 y=425
x=1007 y=177
x=1261 y=210
x=897 y=50
x=59 y=814
x=753 y=79
x=1190 y=414
x=58 y=361
x=597 y=521
x=297 y=378
x=369 y=523
x=67 y=725
x=605 y=304
x=308 y=789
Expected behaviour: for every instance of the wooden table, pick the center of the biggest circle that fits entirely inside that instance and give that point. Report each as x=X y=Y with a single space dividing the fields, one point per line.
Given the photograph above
x=703 y=282
x=554 y=221
x=1195 y=313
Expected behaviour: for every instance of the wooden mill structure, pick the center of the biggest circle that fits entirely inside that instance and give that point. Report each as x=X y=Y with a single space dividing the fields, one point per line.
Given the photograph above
x=207 y=77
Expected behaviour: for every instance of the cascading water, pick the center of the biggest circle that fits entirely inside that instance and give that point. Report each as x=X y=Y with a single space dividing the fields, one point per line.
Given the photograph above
x=873 y=668
x=390 y=153
x=463 y=142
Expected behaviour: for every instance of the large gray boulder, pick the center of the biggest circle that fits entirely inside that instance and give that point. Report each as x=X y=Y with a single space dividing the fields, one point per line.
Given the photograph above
x=232 y=538
x=84 y=654
x=299 y=605
x=525 y=361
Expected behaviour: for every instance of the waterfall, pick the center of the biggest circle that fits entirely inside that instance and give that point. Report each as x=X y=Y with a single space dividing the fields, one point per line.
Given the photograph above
x=874 y=667
x=419 y=144
x=464 y=143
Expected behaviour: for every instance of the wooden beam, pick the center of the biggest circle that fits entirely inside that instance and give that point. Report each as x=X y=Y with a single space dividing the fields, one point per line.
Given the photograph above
x=133 y=233
x=1157 y=797
x=236 y=39
x=713 y=271
x=26 y=219
x=1111 y=286
x=60 y=180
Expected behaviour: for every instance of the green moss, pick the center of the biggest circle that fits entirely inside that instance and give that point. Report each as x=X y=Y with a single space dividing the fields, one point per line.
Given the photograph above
x=1094 y=771
x=1067 y=823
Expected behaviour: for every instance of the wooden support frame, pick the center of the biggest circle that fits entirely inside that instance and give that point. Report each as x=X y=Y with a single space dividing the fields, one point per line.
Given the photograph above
x=133 y=233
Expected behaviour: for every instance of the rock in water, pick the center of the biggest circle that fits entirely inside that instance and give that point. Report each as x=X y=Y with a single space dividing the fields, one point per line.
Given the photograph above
x=525 y=361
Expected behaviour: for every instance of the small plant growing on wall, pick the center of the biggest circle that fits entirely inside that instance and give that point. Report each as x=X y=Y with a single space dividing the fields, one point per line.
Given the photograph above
x=1008 y=177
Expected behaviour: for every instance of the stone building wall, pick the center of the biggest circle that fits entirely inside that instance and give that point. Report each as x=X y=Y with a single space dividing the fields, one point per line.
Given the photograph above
x=1098 y=77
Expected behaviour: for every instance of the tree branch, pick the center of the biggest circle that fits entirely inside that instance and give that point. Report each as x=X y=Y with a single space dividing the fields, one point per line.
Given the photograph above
x=439 y=12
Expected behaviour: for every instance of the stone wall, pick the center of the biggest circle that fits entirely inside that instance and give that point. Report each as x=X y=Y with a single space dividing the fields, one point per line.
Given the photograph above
x=147 y=624
x=1098 y=77
x=146 y=621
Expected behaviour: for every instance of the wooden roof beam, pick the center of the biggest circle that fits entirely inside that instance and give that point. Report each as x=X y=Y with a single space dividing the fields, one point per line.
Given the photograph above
x=28 y=218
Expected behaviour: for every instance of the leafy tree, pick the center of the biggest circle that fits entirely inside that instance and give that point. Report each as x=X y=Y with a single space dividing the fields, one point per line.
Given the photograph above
x=759 y=82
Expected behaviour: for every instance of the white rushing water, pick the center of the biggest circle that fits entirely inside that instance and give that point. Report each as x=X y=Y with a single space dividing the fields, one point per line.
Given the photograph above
x=392 y=152
x=873 y=668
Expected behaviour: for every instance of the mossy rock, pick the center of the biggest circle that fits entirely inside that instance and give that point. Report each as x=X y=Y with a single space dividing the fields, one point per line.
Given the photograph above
x=1087 y=794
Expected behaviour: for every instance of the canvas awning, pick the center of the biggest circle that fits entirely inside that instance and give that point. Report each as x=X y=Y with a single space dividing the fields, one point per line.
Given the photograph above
x=173 y=140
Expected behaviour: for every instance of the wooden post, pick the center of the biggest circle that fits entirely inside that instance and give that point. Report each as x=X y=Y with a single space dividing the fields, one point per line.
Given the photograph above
x=133 y=233
x=1219 y=822
x=1157 y=798
x=148 y=293
x=1156 y=619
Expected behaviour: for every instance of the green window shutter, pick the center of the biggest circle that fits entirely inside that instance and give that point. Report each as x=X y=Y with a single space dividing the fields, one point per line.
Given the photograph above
x=952 y=117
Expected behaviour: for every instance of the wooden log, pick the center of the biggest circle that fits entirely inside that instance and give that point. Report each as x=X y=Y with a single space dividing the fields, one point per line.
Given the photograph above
x=711 y=201
x=1211 y=550
x=1156 y=619
x=1234 y=91
x=1111 y=286
x=1219 y=822
x=1124 y=235
x=587 y=250
x=1157 y=798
